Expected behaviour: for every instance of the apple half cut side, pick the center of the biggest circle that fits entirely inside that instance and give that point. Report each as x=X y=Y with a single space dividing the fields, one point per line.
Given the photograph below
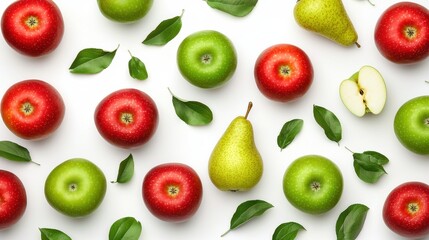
x=364 y=92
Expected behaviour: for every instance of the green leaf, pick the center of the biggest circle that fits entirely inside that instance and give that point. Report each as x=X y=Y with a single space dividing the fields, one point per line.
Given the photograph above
x=126 y=170
x=127 y=228
x=329 y=122
x=165 y=31
x=351 y=221
x=247 y=211
x=14 y=152
x=191 y=112
x=238 y=8
x=53 y=234
x=92 y=60
x=136 y=68
x=369 y=165
x=288 y=132
x=287 y=231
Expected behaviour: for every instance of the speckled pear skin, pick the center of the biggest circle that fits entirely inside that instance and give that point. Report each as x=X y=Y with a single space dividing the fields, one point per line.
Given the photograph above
x=327 y=18
x=235 y=163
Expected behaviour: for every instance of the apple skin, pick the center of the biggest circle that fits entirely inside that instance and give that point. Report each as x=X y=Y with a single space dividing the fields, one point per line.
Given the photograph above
x=172 y=192
x=76 y=187
x=393 y=29
x=13 y=199
x=32 y=109
x=126 y=118
x=283 y=72
x=124 y=11
x=33 y=27
x=411 y=125
x=399 y=213
x=313 y=184
x=207 y=59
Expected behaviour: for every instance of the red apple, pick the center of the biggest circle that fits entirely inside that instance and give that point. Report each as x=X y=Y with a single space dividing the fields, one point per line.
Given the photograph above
x=32 y=109
x=172 y=192
x=33 y=27
x=283 y=72
x=402 y=33
x=406 y=210
x=13 y=199
x=126 y=118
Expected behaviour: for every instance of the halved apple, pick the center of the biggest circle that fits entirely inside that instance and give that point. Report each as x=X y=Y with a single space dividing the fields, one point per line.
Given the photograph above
x=364 y=92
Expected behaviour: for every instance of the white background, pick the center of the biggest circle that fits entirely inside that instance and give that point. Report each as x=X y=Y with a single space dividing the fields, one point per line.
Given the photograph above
x=271 y=22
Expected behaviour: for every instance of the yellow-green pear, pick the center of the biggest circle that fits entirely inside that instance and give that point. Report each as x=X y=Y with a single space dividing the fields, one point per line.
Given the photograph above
x=327 y=18
x=235 y=163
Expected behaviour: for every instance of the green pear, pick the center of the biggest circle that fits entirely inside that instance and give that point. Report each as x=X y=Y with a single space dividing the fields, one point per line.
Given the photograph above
x=327 y=18
x=235 y=163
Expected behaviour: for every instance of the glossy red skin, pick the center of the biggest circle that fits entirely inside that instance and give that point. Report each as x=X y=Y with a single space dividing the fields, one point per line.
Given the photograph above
x=277 y=86
x=107 y=118
x=161 y=203
x=36 y=40
x=46 y=117
x=13 y=199
x=389 y=36
x=399 y=219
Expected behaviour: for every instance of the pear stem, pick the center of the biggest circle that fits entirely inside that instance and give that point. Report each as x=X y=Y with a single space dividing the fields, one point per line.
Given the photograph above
x=249 y=107
x=357 y=44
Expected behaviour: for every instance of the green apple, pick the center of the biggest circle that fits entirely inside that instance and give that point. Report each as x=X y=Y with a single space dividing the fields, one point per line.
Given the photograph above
x=364 y=92
x=75 y=187
x=207 y=58
x=313 y=184
x=125 y=11
x=411 y=125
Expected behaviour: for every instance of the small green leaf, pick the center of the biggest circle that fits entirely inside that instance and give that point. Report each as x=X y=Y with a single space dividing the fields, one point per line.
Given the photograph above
x=191 y=112
x=92 y=60
x=165 y=31
x=247 y=211
x=238 y=8
x=53 y=234
x=14 y=152
x=127 y=228
x=329 y=122
x=288 y=132
x=351 y=221
x=137 y=68
x=126 y=170
x=369 y=165
x=287 y=231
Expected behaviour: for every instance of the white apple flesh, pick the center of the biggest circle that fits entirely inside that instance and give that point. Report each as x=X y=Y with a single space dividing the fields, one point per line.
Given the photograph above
x=364 y=92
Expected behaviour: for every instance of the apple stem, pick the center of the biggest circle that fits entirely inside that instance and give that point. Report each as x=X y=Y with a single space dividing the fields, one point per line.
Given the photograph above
x=249 y=107
x=357 y=44
x=225 y=233
x=348 y=149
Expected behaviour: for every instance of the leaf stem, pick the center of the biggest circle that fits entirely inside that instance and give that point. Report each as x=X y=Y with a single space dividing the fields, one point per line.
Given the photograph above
x=348 y=149
x=38 y=164
x=225 y=233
